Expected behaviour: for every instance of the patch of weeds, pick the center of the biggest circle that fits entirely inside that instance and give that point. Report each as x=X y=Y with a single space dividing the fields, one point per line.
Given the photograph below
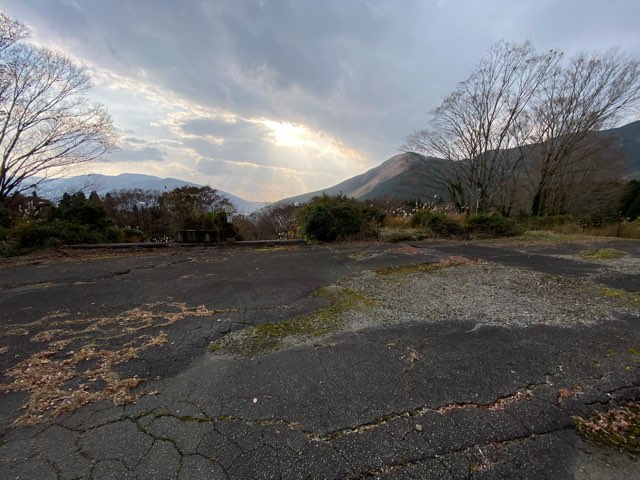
x=268 y=337
x=396 y=235
x=547 y=236
x=426 y=267
x=602 y=254
x=75 y=363
x=612 y=292
x=618 y=428
x=629 y=299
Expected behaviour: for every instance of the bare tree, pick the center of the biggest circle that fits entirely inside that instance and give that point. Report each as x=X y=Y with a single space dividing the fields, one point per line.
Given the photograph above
x=479 y=129
x=47 y=124
x=10 y=31
x=577 y=100
x=143 y=209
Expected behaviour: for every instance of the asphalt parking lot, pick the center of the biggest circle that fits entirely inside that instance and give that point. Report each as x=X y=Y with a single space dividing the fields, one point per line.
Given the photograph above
x=420 y=360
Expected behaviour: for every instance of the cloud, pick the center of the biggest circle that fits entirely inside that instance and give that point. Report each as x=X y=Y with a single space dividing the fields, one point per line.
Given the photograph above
x=143 y=152
x=257 y=93
x=232 y=128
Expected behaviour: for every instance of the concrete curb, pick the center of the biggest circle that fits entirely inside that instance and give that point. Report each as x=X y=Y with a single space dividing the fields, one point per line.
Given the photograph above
x=242 y=243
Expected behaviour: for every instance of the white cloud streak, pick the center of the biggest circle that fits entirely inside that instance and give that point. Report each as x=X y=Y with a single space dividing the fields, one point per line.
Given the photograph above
x=267 y=99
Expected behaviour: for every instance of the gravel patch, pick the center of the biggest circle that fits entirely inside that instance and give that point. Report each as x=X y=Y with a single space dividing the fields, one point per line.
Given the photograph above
x=487 y=294
x=454 y=289
x=627 y=264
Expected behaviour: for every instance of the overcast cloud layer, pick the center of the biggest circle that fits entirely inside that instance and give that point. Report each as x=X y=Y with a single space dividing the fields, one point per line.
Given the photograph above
x=268 y=99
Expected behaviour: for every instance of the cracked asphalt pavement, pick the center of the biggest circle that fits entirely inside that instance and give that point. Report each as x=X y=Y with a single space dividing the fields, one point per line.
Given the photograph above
x=107 y=371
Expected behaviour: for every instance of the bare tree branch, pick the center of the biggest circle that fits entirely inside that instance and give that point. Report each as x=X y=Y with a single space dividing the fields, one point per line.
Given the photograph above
x=479 y=129
x=46 y=122
x=524 y=120
x=577 y=100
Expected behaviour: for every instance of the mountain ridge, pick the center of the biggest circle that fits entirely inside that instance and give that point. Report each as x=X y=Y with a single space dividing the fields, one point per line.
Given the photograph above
x=399 y=176
x=103 y=184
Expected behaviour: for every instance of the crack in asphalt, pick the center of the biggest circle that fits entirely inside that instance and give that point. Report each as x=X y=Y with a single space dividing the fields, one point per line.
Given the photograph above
x=398 y=466
x=364 y=450
x=602 y=399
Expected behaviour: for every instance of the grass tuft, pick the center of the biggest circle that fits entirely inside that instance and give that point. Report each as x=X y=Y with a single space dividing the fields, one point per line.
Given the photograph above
x=629 y=299
x=426 y=267
x=602 y=254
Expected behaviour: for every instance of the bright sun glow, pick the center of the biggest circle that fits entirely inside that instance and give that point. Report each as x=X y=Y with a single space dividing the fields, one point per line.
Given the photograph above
x=294 y=135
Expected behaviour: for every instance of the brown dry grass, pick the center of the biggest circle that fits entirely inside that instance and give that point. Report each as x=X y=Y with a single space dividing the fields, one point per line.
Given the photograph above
x=397 y=221
x=76 y=359
x=618 y=428
x=427 y=267
x=569 y=392
x=499 y=404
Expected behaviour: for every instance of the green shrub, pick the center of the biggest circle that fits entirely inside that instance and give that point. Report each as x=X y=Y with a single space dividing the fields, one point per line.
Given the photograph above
x=6 y=217
x=437 y=222
x=114 y=235
x=630 y=207
x=8 y=248
x=132 y=235
x=52 y=233
x=317 y=222
x=491 y=225
x=329 y=218
x=78 y=210
x=373 y=215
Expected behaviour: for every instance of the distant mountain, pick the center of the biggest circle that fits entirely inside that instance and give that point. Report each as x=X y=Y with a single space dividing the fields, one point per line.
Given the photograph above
x=103 y=184
x=398 y=177
x=627 y=138
x=403 y=176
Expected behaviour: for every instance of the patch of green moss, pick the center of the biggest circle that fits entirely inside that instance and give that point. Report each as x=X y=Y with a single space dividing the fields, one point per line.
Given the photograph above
x=601 y=254
x=612 y=292
x=618 y=428
x=631 y=299
x=268 y=337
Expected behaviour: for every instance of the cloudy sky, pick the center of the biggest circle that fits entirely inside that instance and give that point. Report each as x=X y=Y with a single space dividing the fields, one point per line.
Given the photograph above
x=268 y=99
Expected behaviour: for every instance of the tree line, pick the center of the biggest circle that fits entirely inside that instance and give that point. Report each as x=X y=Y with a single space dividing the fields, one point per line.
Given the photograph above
x=30 y=222
x=521 y=132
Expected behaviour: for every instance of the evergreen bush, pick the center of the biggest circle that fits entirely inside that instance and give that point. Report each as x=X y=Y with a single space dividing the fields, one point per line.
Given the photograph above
x=491 y=225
